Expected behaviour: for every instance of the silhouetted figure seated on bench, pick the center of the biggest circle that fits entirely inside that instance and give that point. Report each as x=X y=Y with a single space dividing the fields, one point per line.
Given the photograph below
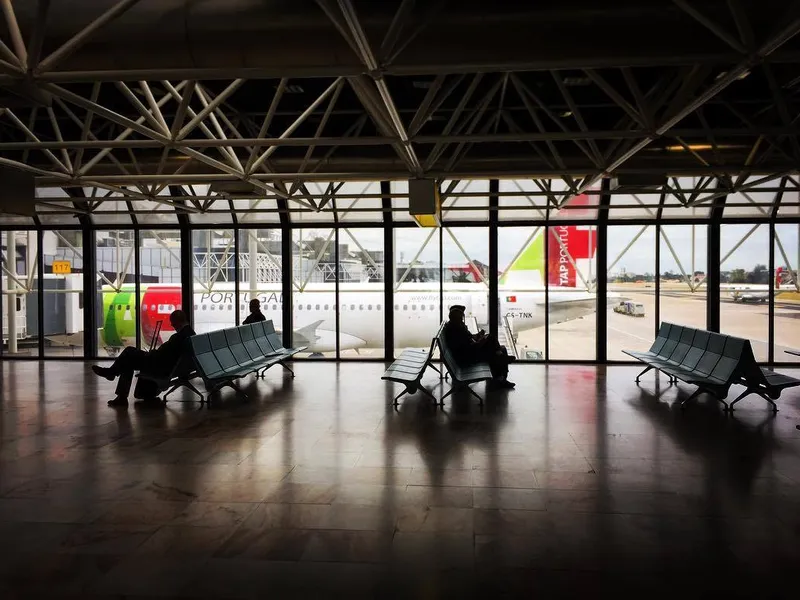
x=469 y=349
x=255 y=312
x=157 y=362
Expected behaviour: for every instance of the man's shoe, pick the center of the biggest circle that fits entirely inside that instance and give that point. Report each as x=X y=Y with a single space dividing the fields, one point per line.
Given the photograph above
x=103 y=372
x=512 y=359
x=501 y=384
x=118 y=401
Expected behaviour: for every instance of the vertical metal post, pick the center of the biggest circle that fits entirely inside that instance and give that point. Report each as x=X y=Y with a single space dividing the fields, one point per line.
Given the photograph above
x=388 y=270
x=771 y=271
x=137 y=286
x=90 y=333
x=11 y=252
x=336 y=289
x=494 y=279
x=546 y=232
x=252 y=251
x=441 y=274
x=658 y=280
x=187 y=271
x=601 y=287
x=286 y=267
x=40 y=292
x=237 y=274
x=713 y=267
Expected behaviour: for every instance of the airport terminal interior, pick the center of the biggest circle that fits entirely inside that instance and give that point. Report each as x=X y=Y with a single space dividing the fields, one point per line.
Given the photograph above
x=597 y=185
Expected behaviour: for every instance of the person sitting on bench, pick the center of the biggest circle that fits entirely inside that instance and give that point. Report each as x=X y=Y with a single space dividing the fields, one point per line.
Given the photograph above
x=158 y=362
x=255 y=313
x=469 y=349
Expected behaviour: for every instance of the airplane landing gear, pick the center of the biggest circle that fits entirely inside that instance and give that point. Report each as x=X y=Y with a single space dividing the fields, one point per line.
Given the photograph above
x=316 y=355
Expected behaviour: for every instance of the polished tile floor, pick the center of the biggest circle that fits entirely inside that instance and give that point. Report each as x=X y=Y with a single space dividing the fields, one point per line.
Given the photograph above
x=578 y=484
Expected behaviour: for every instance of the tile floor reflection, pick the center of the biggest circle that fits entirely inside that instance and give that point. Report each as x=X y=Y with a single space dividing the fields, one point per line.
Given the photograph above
x=578 y=482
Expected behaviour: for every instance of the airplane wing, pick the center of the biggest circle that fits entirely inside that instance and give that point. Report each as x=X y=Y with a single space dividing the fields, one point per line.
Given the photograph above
x=308 y=333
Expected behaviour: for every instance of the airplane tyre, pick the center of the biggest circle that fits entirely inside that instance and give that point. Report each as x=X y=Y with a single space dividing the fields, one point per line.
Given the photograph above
x=316 y=355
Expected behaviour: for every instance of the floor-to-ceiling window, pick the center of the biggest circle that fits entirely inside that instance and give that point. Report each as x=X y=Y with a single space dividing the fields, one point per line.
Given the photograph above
x=362 y=304
x=261 y=273
x=159 y=283
x=682 y=272
x=117 y=305
x=786 y=324
x=64 y=298
x=314 y=301
x=631 y=280
x=416 y=275
x=214 y=273
x=744 y=284
x=20 y=274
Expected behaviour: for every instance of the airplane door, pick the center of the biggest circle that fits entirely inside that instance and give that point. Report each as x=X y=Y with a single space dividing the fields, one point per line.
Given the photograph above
x=480 y=308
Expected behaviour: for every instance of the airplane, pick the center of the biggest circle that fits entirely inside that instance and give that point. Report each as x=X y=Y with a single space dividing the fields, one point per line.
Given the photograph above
x=361 y=305
x=758 y=292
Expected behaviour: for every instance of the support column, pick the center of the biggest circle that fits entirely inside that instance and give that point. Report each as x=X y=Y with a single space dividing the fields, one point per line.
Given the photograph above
x=90 y=341
x=388 y=270
x=713 y=266
x=601 y=287
x=286 y=267
x=11 y=314
x=40 y=293
x=494 y=283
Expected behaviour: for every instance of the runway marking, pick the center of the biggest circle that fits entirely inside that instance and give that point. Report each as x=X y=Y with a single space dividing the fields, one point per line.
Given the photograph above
x=650 y=340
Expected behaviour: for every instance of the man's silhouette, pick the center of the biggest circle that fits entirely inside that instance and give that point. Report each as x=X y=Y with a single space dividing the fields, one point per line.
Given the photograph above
x=255 y=313
x=160 y=361
x=468 y=348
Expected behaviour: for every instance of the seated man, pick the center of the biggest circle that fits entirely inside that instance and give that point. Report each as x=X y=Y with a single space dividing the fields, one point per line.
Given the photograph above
x=160 y=361
x=469 y=349
x=255 y=313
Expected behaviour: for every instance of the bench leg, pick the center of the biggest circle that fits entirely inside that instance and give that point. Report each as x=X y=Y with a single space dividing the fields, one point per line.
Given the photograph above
x=186 y=384
x=434 y=367
x=764 y=396
x=230 y=384
x=400 y=395
x=647 y=368
x=430 y=395
x=699 y=391
x=476 y=394
x=283 y=364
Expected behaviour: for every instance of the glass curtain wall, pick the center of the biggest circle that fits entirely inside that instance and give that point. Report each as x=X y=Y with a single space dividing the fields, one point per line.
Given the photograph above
x=631 y=277
x=261 y=273
x=117 y=306
x=361 y=293
x=159 y=283
x=20 y=286
x=682 y=272
x=63 y=293
x=417 y=293
x=785 y=323
x=214 y=273
x=314 y=302
x=572 y=291
x=745 y=285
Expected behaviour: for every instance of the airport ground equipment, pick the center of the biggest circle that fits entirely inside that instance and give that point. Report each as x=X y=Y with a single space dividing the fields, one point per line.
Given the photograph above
x=711 y=361
x=222 y=357
x=462 y=377
x=409 y=368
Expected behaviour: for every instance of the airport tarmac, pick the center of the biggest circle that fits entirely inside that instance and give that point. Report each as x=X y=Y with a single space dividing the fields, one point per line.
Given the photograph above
x=576 y=339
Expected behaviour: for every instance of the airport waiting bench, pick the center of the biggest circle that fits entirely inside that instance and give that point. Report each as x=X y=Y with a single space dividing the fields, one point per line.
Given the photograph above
x=181 y=376
x=462 y=377
x=409 y=368
x=711 y=361
x=224 y=356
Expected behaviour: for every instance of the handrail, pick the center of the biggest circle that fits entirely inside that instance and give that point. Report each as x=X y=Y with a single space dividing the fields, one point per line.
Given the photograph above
x=510 y=336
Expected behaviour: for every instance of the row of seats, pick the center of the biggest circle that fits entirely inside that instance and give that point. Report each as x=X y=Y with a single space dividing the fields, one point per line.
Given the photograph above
x=409 y=368
x=711 y=361
x=226 y=355
x=462 y=377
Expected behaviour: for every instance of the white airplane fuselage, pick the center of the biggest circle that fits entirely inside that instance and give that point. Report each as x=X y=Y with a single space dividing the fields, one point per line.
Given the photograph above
x=361 y=310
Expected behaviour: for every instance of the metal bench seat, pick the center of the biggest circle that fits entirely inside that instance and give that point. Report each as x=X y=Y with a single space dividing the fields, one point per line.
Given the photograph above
x=462 y=377
x=409 y=368
x=711 y=361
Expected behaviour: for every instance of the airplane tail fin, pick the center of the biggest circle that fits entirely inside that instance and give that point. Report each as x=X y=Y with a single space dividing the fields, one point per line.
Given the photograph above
x=567 y=246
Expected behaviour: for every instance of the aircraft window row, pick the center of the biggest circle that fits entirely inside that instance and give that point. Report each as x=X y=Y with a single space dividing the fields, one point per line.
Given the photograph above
x=228 y=307
x=344 y=307
x=163 y=309
x=432 y=307
x=121 y=306
x=263 y=308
